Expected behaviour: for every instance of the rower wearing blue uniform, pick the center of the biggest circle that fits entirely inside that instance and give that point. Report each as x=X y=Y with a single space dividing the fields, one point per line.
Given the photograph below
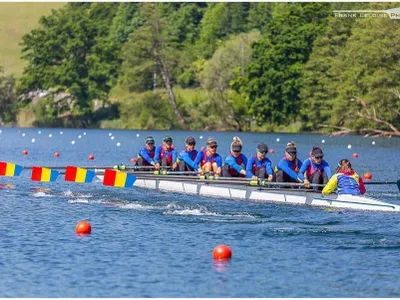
x=259 y=166
x=208 y=160
x=188 y=155
x=315 y=169
x=289 y=166
x=235 y=162
x=146 y=154
x=166 y=155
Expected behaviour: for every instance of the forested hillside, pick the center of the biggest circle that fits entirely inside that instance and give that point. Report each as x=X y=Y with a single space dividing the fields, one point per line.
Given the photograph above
x=218 y=66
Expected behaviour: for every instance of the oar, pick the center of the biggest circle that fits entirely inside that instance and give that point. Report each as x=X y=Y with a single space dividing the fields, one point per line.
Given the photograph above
x=115 y=167
x=383 y=183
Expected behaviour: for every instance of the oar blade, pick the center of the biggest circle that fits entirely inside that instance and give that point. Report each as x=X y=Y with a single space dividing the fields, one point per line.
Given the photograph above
x=44 y=174
x=80 y=175
x=118 y=179
x=10 y=169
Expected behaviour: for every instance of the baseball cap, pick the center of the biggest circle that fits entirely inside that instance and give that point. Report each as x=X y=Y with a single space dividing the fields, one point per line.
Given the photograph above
x=262 y=147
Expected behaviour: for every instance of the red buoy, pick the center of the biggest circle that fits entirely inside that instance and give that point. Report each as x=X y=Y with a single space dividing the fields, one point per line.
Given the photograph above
x=25 y=152
x=272 y=151
x=57 y=154
x=91 y=157
x=355 y=155
x=83 y=227
x=222 y=252
x=133 y=160
x=367 y=176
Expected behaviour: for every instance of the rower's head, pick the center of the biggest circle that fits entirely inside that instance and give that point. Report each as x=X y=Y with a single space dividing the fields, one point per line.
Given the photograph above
x=262 y=150
x=149 y=141
x=190 y=143
x=317 y=155
x=167 y=141
x=212 y=145
x=236 y=146
x=291 y=151
x=344 y=165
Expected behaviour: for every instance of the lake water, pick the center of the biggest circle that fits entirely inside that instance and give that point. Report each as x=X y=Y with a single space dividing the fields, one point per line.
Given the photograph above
x=151 y=244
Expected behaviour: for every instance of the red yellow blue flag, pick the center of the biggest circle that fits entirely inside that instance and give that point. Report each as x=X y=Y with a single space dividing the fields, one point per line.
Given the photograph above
x=10 y=169
x=44 y=174
x=118 y=179
x=77 y=174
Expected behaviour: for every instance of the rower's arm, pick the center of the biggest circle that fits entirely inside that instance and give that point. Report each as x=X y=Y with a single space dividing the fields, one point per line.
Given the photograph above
x=249 y=167
x=327 y=170
x=331 y=185
x=174 y=156
x=230 y=161
x=304 y=167
x=284 y=166
x=157 y=154
x=186 y=158
x=269 y=167
x=198 y=159
x=143 y=153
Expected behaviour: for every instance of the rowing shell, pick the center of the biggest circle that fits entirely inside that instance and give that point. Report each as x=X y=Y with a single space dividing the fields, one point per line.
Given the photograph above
x=261 y=194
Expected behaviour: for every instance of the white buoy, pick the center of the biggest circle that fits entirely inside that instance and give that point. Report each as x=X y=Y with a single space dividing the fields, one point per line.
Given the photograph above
x=61 y=132
x=201 y=137
x=112 y=137
x=137 y=135
x=79 y=136
x=23 y=134
x=323 y=141
x=50 y=135
x=118 y=144
x=278 y=139
x=73 y=142
x=349 y=146
x=110 y=134
x=33 y=140
x=373 y=142
x=40 y=132
x=84 y=133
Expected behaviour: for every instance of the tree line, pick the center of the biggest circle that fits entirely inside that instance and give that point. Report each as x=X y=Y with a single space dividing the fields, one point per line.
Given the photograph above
x=216 y=66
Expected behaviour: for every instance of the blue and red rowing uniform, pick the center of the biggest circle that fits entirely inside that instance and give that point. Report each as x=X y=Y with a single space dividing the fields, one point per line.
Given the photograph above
x=291 y=168
x=253 y=164
x=202 y=158
x=147 y=155
x=236 y=164
x=310 y=167
x=188 y=157
x=162 y=152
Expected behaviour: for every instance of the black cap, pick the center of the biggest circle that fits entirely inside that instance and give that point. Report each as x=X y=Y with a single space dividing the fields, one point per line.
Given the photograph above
x=167 y=138
x=190 y=140
x=149 y=140
x=236 y=147
x=317 y=152
x=212 y=142
x=262 y=147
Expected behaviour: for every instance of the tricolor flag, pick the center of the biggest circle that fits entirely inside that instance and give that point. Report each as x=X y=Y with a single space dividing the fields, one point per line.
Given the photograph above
x=118 y=179
x=9 y=169
x=44 y=174
x=76 y=174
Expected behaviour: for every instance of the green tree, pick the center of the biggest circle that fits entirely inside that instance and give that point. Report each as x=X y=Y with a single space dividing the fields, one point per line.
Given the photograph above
x=8 y=99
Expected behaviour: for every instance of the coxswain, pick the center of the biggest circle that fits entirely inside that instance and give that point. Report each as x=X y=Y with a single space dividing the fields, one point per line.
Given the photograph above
x=146 y=154
x=346 y=181
x=236 y=161
x=315 y=169
x=259 y=166
x=188 y=155
x=166 y=155
x=289 y=166
x=208 y=160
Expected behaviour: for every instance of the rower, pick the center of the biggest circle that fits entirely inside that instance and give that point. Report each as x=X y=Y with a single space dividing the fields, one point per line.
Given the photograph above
x=259 y=166
x=146 y=154
x=188 y=155
x=235 y=162
x=289 y=166
x=315 y=169
x=346 y=180
x=208 y=160
x=166 y=154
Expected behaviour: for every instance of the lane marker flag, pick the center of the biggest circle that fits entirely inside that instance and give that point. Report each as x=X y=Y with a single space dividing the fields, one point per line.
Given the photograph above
x=10 y=169
x=118 y=179
x=76 y=174
x=44 y=174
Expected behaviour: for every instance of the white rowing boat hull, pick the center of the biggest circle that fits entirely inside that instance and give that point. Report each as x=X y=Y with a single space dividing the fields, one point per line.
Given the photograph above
x=265 y=194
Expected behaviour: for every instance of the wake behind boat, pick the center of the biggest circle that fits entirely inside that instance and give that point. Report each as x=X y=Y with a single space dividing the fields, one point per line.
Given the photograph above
x=231 y=189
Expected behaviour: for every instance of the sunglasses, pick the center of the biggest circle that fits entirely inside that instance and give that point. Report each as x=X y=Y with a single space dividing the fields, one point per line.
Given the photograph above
x=192 y=144
x=263 y=152
x=236 y=151
x=213 y=147
x=150 y=143
x=292 y=153
x=318 y=157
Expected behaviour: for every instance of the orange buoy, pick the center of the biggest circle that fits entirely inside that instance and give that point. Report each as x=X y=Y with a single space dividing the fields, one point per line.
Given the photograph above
x=272 y=151
x=355 y=155
x=367 y=176
x=133 y=160
x=57 y=154
x=222 y=252
x=91 y=157
x=25 y=152
x=83 y=227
